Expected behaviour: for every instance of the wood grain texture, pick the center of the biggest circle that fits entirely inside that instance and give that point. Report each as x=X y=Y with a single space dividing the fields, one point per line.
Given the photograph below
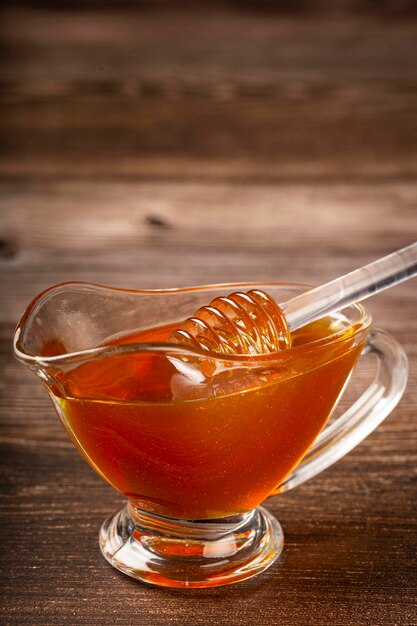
x=157 y=149
x=207 y=95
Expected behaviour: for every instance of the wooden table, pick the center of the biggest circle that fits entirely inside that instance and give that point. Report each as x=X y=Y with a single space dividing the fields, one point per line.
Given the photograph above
x=146 y=148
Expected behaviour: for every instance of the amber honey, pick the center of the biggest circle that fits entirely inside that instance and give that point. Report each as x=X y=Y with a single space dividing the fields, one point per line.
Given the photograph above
x=206 y=455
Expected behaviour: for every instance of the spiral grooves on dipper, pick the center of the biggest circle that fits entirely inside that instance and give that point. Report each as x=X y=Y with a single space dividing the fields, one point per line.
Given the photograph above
x=241 y=323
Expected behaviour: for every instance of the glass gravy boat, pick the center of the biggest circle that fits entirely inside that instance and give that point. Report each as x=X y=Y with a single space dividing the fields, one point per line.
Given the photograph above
x=194 y=439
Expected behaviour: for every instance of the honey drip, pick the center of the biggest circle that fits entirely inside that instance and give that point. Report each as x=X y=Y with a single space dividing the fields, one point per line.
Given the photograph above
x=242 y=323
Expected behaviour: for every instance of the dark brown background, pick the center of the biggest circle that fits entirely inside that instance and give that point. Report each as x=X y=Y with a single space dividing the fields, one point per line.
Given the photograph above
x=147 y=147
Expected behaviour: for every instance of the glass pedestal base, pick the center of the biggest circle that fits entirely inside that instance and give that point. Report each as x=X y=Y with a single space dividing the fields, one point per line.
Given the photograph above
x=181 y=553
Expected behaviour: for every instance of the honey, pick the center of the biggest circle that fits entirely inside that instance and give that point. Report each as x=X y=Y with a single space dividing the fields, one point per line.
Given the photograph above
x=212 y=443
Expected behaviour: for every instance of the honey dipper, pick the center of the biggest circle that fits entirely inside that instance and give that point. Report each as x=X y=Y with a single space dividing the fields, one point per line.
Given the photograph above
x=253 y=323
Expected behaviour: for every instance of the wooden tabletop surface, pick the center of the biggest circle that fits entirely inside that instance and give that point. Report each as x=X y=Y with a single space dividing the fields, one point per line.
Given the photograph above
x=142 y=147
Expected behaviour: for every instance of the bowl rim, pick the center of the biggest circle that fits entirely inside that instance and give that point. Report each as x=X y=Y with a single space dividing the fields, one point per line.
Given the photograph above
x=32 y=360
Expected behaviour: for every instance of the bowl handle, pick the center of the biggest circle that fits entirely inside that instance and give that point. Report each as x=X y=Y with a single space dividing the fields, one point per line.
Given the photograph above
x=373 y=406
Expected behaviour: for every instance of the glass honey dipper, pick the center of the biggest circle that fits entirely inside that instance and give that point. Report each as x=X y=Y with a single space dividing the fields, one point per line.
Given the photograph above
x=252 y=323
